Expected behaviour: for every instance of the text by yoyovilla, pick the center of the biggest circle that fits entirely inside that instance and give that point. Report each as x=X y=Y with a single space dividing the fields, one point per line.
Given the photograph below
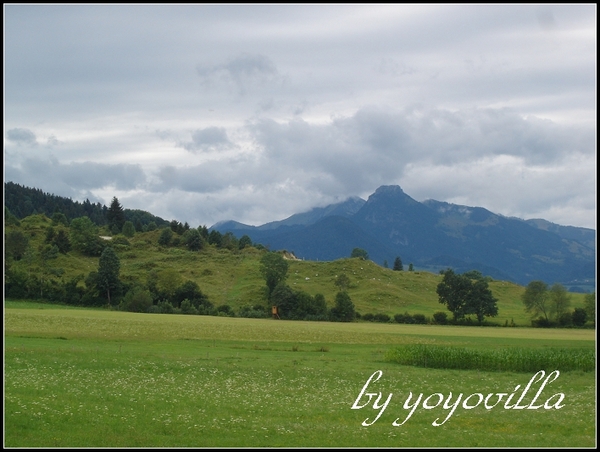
x=515 y=400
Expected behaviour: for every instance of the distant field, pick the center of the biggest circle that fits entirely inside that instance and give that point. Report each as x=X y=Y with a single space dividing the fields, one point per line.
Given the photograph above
x=96 y=378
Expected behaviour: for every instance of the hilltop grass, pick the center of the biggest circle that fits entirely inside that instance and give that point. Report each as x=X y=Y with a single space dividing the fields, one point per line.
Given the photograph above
x=233 y=277
x=97 y=378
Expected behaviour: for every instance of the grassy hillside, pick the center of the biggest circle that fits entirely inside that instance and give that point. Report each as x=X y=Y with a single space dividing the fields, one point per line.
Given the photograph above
x=233 y=277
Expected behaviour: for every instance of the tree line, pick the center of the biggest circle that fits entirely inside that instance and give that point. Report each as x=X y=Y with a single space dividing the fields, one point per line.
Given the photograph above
x=24 y=201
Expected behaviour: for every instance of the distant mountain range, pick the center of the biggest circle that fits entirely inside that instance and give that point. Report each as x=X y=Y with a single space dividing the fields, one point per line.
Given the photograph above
x=434 y=235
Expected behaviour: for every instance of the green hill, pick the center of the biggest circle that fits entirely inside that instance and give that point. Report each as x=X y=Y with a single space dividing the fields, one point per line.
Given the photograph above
x=233 y=277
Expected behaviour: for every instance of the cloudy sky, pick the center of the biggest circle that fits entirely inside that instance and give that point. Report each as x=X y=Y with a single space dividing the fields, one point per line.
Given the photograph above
x=255 y=112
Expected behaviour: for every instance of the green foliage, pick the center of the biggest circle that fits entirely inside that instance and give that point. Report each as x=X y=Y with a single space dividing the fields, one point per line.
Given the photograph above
x=590 y=305
x=398 y=264
x=137 y=299
x=59 y=218
x=579 y=317
x=10 y=219
x=440 y=318
x=84 y=237
x=62 y=242
x=165 y=237
x=273 y=268
x=559 y=301
x=15 y=244
x=244 y=242
x=190 y=291
x=359 y=253
x=343 y=311
x=463 y=296
x=109 y=267
x=128 y=229
x=453 y=292
x=342 y=282
x=115 y=216
x=285 y=299
x=193 y=240
x=535 y=299
x=500 y=360
x=215 y=238
x=410 y=267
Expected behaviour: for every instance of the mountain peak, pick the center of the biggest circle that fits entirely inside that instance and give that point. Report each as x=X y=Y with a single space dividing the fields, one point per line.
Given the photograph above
x=389 y=189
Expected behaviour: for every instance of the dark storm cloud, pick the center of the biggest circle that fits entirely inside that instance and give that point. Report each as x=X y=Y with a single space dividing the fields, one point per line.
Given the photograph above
x=21 y=136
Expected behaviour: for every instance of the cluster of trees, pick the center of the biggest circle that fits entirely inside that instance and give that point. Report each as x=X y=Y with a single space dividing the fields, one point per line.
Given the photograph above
x=195 y=239
x=467 y=294
x=398 y=266
x=299 y=305
x=550 y=306
x=24 y=201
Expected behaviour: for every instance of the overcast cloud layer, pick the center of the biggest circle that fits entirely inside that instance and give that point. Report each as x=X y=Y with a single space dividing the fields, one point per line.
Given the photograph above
x=256 y=112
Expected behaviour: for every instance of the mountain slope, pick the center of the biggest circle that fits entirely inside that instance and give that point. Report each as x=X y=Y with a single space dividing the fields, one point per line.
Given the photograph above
x=434 y=235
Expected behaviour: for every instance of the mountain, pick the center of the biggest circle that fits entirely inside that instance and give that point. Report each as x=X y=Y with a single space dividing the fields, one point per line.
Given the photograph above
x=433 y=235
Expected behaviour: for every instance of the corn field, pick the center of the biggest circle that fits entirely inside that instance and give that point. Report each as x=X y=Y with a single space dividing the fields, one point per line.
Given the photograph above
x=501 y=360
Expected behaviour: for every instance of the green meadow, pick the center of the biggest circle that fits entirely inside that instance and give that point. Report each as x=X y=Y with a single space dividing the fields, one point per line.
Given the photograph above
x=76 y=377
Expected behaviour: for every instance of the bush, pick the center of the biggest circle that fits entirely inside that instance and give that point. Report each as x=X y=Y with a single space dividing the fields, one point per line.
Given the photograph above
x=579 y=317
x=187 y=307
x=440 y=318
x=136 y=300
x=225 y=310
x=404 y=318
x=164 y=307
x=566 y=319
x=383 y=318
x=420 y=319
x=368 y=317
x=541 y=322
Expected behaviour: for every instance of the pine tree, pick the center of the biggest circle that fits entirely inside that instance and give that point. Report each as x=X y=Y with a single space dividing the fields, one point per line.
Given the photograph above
x=398 y=264
x=115 y=215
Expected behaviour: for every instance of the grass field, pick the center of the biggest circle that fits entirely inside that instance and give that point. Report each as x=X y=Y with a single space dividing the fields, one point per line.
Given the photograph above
x=93 y=378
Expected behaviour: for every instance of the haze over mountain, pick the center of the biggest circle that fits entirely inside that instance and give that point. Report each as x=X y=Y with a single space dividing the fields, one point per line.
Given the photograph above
x=433 y=235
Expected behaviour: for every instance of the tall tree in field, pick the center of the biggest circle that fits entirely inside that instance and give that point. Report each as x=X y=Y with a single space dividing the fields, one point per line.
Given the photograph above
x=273 y=268
x=481 y=302
x=108 y=272
x=535 y=298
x=343 y=311
x=453 y=292
x=115 y=215
x=559 y=300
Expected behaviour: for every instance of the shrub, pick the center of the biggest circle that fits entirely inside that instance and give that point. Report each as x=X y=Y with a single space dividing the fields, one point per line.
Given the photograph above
x=579 y=317
x=136 y=300
x=164 y=307
x=420 y=319
x=441 y=318
x=383 y=318
x=187 y=307
x=404 y=318
x=368 y=317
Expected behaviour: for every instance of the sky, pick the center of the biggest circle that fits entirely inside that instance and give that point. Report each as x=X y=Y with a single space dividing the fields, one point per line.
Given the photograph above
x=206 y=113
